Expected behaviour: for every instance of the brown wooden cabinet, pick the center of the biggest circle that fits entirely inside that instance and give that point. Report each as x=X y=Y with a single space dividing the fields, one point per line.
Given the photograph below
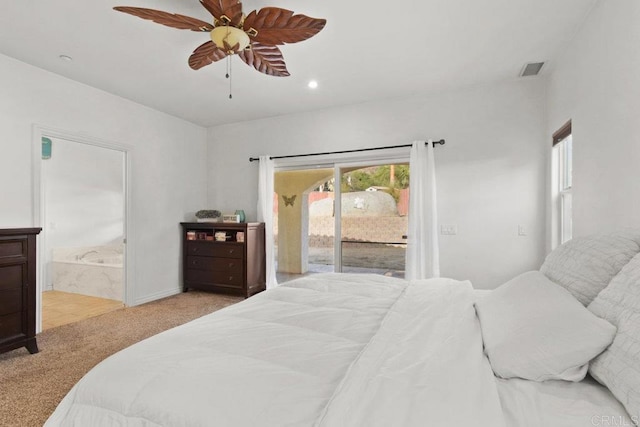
x=223 y=257
x=18 y=289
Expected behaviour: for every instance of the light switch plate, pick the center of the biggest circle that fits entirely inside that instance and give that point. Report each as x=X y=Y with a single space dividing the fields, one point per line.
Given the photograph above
x=448 y=229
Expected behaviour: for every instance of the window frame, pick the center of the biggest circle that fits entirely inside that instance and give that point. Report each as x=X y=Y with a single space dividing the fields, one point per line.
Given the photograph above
x=563 y=170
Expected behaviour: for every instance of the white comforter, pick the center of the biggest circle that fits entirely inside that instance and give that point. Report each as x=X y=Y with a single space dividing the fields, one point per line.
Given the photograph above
x=323 y=351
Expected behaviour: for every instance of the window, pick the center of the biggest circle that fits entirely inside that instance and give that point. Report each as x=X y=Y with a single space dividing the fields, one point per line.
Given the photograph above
x=563 y=170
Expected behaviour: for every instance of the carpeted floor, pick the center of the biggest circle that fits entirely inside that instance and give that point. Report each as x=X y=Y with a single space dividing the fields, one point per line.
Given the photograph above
x=32 y=385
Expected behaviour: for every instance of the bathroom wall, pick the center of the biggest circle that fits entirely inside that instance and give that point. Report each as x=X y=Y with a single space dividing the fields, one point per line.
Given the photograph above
x=83 y=196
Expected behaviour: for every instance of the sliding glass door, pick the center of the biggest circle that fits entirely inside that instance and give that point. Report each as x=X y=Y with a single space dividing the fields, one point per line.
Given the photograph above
x=343 y=217
x=374 y=203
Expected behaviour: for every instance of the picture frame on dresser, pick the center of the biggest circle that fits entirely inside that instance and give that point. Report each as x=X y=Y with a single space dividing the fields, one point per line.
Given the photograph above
x=224 y=257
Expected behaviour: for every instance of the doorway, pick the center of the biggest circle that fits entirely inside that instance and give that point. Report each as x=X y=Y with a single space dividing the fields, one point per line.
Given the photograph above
x=83 y=210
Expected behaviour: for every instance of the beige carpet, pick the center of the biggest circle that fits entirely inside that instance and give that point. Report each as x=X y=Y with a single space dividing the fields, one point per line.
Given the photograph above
x=32 y=385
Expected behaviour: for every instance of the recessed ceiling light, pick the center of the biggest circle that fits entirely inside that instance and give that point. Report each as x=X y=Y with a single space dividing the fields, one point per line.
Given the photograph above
x=65 y=58
x=312 y=84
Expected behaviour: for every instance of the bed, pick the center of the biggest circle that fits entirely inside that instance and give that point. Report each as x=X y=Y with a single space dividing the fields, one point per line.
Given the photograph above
x=367 y=350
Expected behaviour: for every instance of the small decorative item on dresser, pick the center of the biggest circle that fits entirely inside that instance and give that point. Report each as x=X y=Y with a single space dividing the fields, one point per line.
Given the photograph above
x=221 y=236
x=240 y=236
x=208 y=215
x=231 y=218
x=241 y=215
x=191 y=235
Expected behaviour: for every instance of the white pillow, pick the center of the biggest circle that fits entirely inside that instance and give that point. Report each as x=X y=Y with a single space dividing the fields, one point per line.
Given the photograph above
x=585 y=265
x=536 y=330
x=619 y=366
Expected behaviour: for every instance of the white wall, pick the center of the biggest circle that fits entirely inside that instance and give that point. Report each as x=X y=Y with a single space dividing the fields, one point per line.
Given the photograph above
x=168 y=162
x=491 y=173
x=596 y=84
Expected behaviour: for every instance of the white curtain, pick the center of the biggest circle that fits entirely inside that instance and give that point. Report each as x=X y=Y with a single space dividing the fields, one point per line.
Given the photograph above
x=265 y=214
x=422 y=259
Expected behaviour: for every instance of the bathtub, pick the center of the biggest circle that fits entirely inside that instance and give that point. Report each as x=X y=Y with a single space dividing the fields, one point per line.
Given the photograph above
x=95 y=271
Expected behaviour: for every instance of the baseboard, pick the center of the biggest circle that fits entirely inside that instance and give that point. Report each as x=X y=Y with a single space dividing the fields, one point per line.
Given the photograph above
x=157 y=296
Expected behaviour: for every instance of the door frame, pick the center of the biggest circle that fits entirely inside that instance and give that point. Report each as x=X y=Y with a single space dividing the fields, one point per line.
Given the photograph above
x=39 y=206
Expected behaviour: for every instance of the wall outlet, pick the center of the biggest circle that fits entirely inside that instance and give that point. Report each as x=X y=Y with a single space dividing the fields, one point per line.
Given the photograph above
x=522 y=231
x=449 y=230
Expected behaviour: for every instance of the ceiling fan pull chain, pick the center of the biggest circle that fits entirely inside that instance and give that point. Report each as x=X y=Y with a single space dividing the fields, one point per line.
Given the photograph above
x=229 y=74
x=230 y=78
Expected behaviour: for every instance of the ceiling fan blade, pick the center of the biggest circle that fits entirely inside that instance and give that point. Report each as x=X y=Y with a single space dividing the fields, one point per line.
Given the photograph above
x=266 y=59
x=173 y=20
x=213 y=6
x=232 y=9
x=276 y=26
x=205 y=54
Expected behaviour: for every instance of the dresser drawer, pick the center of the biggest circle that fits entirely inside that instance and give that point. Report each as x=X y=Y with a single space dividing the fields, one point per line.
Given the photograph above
x=230 y=278
x=227 y=278
x=12 y=276
x=13 y=248
x=10 y=301
x=215 y=264
x=224 y=250
x=11 y=326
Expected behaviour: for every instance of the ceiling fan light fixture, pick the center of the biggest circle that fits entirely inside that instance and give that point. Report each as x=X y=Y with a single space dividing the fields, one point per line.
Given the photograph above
x=230 y=36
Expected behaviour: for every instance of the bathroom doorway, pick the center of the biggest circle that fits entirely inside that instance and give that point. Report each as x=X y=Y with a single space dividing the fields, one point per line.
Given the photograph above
x=83 y=206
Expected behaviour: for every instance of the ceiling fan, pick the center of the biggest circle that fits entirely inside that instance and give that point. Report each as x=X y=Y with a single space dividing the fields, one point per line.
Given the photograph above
x=254 y=37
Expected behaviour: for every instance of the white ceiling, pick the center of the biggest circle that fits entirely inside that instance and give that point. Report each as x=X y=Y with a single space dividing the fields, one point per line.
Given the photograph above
x=368 y=50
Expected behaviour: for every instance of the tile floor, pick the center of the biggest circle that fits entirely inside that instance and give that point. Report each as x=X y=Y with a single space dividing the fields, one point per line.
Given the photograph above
x=60 y=308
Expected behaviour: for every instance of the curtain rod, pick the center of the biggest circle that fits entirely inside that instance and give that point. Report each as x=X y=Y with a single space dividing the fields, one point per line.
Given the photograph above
x=253 y=159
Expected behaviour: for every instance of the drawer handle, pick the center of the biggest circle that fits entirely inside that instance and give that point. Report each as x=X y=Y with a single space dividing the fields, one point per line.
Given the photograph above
x=194 y=262
x=230 y=278
x=195 y=249
x=231 y=251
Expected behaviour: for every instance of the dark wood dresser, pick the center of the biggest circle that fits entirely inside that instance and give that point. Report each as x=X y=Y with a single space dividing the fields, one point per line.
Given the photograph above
x=18 y=289
x=223 y=257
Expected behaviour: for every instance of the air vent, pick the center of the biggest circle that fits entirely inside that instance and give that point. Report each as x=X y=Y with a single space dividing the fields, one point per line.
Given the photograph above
x=531 y=69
